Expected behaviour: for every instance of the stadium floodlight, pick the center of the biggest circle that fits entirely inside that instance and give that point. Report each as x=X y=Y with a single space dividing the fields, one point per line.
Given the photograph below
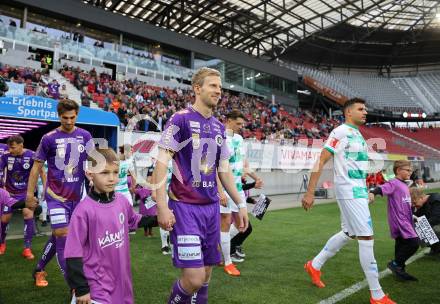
x=424 y=115
x=405 y=114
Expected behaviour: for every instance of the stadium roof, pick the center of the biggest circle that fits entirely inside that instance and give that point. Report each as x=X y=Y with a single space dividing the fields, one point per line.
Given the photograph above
x=267 y=28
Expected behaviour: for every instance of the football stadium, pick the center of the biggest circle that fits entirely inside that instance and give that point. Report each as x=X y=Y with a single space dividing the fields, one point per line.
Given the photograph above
x=236 y=151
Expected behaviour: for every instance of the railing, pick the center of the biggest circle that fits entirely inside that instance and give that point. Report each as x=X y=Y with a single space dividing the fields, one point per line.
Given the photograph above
x=90 y=52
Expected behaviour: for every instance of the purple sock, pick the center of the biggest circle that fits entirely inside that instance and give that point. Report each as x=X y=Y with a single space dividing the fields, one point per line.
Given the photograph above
x=201 y=296
x=179 y=295
x=4 y=229
x=60 y=244
x=29 y=230
x=48 y=253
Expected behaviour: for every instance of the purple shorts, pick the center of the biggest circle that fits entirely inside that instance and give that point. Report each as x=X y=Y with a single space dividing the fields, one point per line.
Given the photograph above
x=59 y=212
x=195 y=237
x=18 y=197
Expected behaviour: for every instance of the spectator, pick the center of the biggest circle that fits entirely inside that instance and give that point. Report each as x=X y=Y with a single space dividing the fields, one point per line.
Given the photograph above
x=53 y=89
x=63 y=91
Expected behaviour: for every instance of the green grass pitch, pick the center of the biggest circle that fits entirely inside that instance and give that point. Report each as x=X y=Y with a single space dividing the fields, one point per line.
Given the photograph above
x=272 y=273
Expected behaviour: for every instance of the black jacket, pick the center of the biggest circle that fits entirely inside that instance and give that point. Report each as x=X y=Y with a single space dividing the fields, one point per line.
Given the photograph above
x=431 y=209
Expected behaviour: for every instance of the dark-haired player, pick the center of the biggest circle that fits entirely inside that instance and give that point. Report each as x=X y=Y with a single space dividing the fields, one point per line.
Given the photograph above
x=64 y=149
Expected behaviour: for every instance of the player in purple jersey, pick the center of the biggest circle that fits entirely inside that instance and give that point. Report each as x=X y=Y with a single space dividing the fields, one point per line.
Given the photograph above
x=3 y=149
x=16 y=165
x=400 y=218
x=6 y=201
x=65 y=151
x=196 y=142
x=97 y=248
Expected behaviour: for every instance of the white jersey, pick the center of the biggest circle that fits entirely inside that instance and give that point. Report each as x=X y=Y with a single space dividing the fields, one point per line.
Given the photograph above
x=236 y=161
x=124 y=166
x=350 y=152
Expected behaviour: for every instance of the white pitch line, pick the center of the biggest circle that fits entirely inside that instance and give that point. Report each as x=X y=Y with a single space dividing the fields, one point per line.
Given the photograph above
x=362 y=284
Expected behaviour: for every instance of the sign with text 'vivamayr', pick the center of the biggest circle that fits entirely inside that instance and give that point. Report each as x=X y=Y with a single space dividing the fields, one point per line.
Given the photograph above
x=40 y=108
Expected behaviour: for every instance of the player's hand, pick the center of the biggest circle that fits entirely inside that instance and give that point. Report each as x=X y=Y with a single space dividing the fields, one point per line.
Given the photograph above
x=166 y=218
x=370 y=198
x=223 y=199
x=244 y=219
x=154 y=196
x=85 y=299
x=31 y=202
x=307 y=201
x=259 y=183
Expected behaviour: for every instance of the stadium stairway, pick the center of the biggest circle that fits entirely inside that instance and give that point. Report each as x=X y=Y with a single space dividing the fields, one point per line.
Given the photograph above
x=72 y=92
x=397 y=144
x=427 y=151
x=426 y=137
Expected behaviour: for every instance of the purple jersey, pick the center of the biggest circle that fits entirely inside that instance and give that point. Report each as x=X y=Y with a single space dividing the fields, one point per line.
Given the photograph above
x=65 y=154
x=199 y=144
x=5 y=201
x=3 y=149
x=17 y=172
x=98 y=233
x=399 y=209
x=147 y=206
x=53 y=90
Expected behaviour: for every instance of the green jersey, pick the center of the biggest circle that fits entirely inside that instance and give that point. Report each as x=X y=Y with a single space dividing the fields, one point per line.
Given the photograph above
x=350 y=152
x=236 y=161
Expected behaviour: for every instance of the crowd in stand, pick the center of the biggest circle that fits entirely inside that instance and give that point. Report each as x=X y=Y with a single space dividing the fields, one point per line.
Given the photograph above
x=127 y=98
x=35 y=82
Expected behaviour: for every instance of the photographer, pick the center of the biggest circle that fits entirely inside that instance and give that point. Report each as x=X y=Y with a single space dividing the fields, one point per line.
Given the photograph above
x=429 y=206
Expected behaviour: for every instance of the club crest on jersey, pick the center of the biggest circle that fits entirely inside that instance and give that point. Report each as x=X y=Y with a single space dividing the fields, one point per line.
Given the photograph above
x=121 y=218
x=219 y=140
x=26 y=166
x=195 y=140
x=333 y=142
x=81 y=148
x=206 y=128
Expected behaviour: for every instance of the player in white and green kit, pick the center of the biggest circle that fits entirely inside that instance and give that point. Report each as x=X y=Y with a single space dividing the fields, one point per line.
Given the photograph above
x=350 y=152
x=125 y=167
x=237 y=163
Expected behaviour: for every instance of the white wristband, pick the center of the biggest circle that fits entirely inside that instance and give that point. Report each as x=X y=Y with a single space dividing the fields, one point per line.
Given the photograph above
x=241 y=205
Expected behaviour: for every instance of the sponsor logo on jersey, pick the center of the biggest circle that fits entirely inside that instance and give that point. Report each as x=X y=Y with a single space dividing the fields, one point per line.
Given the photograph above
x=195 y=140
x=204 y=166
x=188 y=239
x=168 y=134
x=194 y=124
x=189 y=253
x=110 y=239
